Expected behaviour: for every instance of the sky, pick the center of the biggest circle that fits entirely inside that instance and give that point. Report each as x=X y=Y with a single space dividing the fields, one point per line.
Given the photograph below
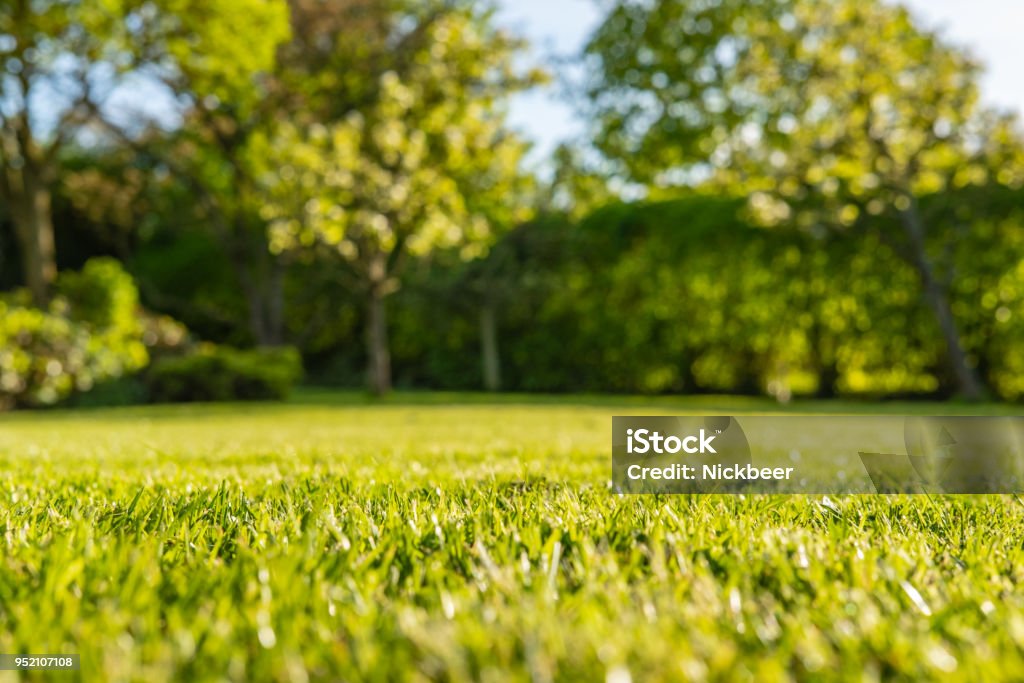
x=991 y=30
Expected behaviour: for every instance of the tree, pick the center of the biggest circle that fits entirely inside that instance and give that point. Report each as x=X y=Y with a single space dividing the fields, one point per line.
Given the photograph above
x=328 y=65
x=833 y=115
x=62 y=60
x=483 y=288
x=427 y=164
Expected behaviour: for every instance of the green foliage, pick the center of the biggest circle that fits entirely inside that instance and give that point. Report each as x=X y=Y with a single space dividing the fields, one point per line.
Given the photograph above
x=102 y=294
x=988 y=294
x=185 y=272
x=844 y=103
x=427 y=163
x=690 y=295
x=61 y=61
x=219 y=48
x=216 y=43
x=32 y=346
x=90 y=333
x=128 y=390
x=574 y=188
x=473 y=542
x=220 y=373
x=831 y=115
x=366 y=146
x=424 y=162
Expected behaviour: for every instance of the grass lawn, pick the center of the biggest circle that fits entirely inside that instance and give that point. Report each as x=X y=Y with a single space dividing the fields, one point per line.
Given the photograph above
x=473 y=538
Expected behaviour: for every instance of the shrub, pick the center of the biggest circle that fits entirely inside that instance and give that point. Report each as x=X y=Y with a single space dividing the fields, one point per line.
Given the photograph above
x=128 y=390
x=221 y=373
x=101 y=295
x=89 y=334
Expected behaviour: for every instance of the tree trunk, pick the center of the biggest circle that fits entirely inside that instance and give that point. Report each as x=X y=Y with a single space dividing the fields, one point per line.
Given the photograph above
x=828 y=380
x=262 y=278
x=32 y=215
x=489 y=355
x=823 y=353
x=254 y=304
x=378 y=371
x=936 y=295
x=968 y=383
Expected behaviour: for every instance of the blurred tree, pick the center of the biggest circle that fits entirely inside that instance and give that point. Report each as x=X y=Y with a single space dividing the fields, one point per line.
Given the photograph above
x=575 y=187
x=684 y=295
x=61 y=63
x=485 y=289
x=327 y=67
x=427 y=163
x=834 y=115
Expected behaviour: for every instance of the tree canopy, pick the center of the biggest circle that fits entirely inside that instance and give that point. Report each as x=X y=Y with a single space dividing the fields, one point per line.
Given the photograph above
x=62 y=62
x=829 y=114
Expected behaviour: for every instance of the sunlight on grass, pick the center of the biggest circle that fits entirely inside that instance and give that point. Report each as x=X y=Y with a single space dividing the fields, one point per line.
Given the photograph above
x=465 y=539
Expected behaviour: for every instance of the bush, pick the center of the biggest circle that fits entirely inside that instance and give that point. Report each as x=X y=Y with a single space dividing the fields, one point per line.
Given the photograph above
x=221 y=373
x=89 y=334
x=101 y=295
x=129 y=390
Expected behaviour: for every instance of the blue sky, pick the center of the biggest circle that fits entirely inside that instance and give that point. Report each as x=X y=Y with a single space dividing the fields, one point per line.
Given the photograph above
x=992 y=30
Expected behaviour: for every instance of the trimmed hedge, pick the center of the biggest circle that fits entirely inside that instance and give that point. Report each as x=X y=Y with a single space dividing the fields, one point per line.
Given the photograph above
x=221 y=373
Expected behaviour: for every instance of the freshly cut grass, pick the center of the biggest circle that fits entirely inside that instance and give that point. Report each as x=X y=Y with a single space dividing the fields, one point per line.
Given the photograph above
x=455 y=539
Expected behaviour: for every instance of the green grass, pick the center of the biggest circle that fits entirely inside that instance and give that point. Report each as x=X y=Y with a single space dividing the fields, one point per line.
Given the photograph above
x=469 y=538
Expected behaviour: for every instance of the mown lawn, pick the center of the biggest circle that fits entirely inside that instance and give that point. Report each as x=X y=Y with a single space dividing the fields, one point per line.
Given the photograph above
x=470 y=538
